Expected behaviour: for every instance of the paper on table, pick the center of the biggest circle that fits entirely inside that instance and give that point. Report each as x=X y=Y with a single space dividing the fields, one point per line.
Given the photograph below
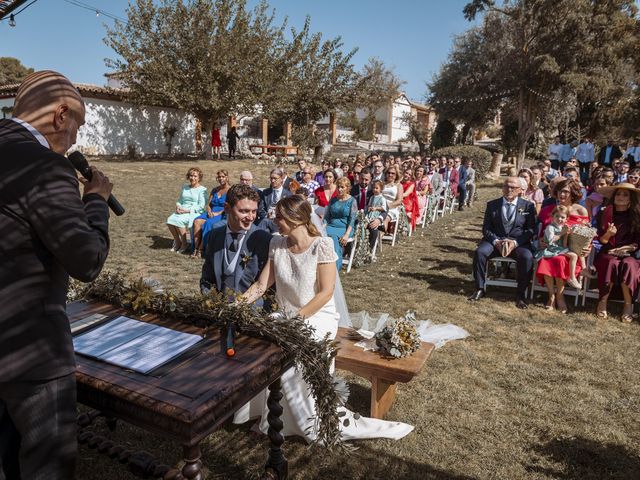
x=110 y=335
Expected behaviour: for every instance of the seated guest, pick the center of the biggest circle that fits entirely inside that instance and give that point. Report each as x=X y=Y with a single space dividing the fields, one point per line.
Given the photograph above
x=532 y=192
x=508 y=228
x=392 y=191
x=555 y=271
x=319 y=177
x=423 y=189
x=623 y=172
x=328 y=190
x=307 y=182
x=548 y=173
x=619 y=235
x=361 y=191
x=340 y=217
x=595 y=199
x=573 y=173
x=377 y=206
x=634 y=177
x=537 y=178
x=193 y=197
x=450 y=177
x=286 y=180
x=300 y=173
x=246 y=178
x=437 y=185
x=347 y=172
x=410 y=198
x=609 y=174
x=271 y=196
x=203 y=224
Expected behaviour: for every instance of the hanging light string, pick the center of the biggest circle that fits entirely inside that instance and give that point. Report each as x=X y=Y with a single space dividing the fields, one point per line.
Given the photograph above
x=98 y=11
x=478 y=98
x=12 y=17
x=581 y=104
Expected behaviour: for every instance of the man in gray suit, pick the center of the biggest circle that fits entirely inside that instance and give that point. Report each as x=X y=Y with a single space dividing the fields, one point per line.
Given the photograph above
x=434 y=177
x=271 y=196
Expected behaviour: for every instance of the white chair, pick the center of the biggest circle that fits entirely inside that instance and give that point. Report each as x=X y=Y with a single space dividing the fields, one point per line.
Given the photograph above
x=500 y=282
x=574 y=292
x=353 y=241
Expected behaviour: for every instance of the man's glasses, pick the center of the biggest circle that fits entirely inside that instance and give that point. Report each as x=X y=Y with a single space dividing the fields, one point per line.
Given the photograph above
x=274 y=178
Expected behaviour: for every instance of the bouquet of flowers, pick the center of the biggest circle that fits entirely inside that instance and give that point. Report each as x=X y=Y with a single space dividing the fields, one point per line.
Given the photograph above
x=399 y=337
x=580 y=237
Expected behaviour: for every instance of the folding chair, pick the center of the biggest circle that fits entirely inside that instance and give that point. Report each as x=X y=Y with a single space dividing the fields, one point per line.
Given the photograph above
x=353 y=241
x=500 y=282
x=574 y=292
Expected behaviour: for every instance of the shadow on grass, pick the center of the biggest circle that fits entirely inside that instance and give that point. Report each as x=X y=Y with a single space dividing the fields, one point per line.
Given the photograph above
x=585 y=459
x=462 y=267
x=453 y=249
x=160 y=243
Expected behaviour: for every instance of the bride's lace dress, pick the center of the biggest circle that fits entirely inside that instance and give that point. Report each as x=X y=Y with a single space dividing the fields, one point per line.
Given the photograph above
x=296 y=285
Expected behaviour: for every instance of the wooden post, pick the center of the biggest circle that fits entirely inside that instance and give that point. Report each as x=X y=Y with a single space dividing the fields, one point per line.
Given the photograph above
x=332 y=128
x=287 y=133
x=382 y=394
x=264 y=128
x=233 y=122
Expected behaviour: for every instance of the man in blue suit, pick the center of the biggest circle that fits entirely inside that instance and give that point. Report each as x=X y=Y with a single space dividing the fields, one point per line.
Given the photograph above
x=508 y=227
x=236 y=252
x=271 y=196
x=462 y=182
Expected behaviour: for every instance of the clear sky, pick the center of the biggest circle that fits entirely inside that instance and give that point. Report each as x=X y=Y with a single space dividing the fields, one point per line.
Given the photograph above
x=412 y=36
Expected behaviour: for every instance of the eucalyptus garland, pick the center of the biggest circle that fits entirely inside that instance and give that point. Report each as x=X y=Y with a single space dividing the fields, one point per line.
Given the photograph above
x=293 y=335
x=403 y=222
x=432 y=204
x=363 y=250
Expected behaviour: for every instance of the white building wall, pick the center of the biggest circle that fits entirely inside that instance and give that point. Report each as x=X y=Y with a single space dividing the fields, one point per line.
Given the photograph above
x=398 y=129
x=113 y=127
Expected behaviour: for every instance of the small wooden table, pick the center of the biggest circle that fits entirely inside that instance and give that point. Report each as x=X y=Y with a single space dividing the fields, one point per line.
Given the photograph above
x=383 y=373
x=284 y=149
x=191 y=396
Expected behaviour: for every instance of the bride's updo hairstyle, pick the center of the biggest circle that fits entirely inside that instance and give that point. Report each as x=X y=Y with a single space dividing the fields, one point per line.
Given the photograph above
x=296 y=211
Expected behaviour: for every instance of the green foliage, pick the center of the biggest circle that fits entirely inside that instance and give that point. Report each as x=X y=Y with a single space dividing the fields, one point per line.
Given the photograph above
x=417 y=131
x=444 y=134
x=362 y=128
x=582 y=66
x=12 y=70
x=481 y=158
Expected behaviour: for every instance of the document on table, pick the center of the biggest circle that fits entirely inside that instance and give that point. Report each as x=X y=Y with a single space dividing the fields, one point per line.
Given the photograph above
x=133 y=344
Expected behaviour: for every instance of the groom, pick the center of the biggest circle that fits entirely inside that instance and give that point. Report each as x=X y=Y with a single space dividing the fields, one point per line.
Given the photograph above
x=236 y=252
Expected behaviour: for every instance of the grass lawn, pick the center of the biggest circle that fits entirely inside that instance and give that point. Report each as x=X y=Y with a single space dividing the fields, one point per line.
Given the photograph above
x=529 y=395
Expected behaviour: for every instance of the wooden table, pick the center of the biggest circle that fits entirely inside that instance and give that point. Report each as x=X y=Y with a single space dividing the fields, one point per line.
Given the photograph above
x=285 y=149
x=188 y=398
x=384 y=373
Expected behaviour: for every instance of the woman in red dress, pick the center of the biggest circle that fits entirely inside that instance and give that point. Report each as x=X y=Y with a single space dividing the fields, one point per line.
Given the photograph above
x=554 y=271
x=328 y=190
x=619 y=234
x=410 y=197
x=216 y=143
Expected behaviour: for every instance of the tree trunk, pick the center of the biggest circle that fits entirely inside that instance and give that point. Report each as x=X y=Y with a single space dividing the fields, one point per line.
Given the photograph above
x=421 y=148
x=198 y=133
x=208 y=126
x=496 y=163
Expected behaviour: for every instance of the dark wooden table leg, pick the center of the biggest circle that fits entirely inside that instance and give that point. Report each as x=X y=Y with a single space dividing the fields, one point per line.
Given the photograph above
x=277 y=466
x=192 y=469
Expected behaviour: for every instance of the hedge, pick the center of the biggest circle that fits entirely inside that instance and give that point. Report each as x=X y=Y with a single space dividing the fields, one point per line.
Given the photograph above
x=480 y=157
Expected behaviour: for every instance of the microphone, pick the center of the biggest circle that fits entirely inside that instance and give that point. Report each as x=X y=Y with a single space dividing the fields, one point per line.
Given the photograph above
x=231 y=348
x=80 y=164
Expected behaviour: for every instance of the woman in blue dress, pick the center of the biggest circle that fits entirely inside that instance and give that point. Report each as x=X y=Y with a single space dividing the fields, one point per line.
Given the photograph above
x=214 y=214
x=340 y=217
x=190 y=204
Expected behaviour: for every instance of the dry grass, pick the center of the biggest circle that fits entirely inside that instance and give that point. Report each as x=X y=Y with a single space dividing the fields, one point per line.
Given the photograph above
x=530 y=395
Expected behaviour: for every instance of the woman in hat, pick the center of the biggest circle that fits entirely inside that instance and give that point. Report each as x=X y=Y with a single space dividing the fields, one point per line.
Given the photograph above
x=619 y=234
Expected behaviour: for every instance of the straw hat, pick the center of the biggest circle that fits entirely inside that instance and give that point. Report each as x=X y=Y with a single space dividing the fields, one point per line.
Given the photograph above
x=609 y=192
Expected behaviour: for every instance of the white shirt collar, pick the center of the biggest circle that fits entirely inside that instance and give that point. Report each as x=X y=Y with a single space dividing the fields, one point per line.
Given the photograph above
x=514 y=202
x=240 y=232
x=43 y=141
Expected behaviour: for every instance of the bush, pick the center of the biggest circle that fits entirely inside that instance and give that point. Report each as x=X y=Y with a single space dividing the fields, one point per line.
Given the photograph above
x=480 y=157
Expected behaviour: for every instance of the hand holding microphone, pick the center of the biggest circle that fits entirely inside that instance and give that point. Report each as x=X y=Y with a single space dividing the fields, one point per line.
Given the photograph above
x=96 y=182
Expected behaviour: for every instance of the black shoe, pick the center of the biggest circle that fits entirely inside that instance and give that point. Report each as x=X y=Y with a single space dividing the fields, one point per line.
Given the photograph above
x=476 y=296
x=460 y=209
x=522 y=304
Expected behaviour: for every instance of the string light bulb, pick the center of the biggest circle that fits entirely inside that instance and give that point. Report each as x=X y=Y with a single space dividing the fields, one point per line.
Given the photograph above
x=12 y=20
x=97 y=13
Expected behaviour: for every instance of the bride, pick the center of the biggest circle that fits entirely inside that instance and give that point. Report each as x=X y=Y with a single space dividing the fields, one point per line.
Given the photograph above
x=302 y=264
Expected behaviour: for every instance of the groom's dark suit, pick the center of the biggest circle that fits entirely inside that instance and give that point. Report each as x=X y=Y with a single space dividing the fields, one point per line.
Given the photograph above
x=254 y=254
x=520 y=227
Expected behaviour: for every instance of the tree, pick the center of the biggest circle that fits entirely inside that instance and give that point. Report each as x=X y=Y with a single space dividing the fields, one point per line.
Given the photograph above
x=418 y=132
x=207 y=57
x=310 y=78
x=12 y=71
x=376 y=86
x=539 y=70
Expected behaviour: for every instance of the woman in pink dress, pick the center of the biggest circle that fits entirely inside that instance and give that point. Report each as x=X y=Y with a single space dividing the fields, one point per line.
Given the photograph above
x=423 y=189
x=216 y=143
x=554 y=271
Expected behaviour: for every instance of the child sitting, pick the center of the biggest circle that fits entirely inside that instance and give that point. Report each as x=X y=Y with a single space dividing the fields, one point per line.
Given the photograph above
x=555 y=237
x=377 y=206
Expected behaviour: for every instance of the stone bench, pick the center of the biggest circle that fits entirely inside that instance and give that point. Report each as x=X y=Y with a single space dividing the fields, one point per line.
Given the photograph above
x=384 y=373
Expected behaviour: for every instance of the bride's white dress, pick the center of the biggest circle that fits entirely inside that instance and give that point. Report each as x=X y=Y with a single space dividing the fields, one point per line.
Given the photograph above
x=296 y=285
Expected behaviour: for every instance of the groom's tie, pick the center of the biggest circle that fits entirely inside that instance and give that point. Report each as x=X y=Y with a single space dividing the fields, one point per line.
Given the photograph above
x=233 y=245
